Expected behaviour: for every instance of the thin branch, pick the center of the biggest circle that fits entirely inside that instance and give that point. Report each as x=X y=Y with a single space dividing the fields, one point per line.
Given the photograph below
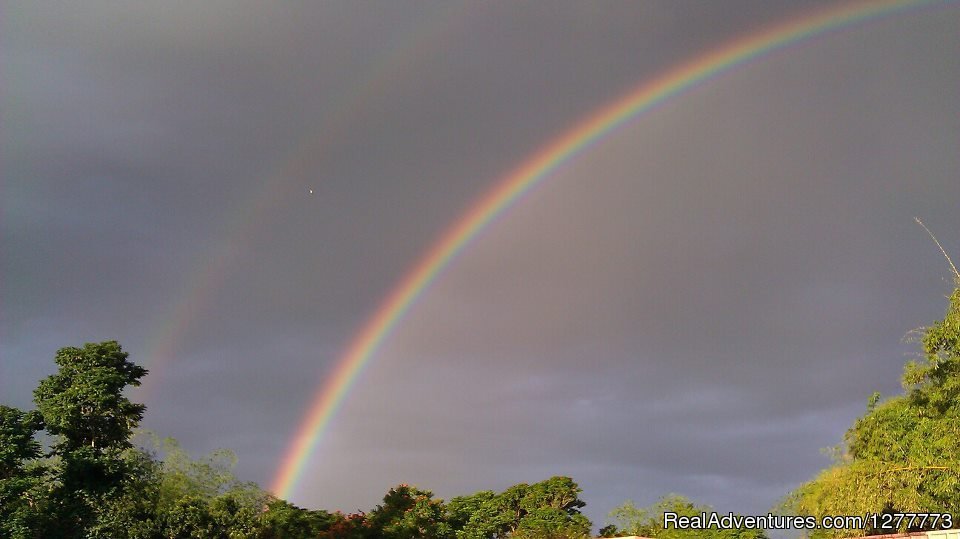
x=912 y=468
x=942 y=250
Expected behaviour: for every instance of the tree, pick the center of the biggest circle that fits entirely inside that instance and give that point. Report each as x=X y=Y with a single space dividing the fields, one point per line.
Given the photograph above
x=20 y=507
x=17 y=443
x=203 y=498
x=177 y=496
x=903 y=455
x=408 y=513
x=352 y=526
x=131 y=511
x=610 y=530
x=96 y=482
x=477 y=516
x=84 y=407
x=84 y=402
x=181 y=476
x=283 y=520
x=549 y=509
x=650 y=521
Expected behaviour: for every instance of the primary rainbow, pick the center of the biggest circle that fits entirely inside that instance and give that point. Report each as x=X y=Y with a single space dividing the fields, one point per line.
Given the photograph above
x=521 y=180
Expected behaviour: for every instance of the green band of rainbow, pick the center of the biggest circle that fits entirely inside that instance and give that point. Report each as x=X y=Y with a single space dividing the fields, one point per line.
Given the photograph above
x=247 y=215
x=519 y=181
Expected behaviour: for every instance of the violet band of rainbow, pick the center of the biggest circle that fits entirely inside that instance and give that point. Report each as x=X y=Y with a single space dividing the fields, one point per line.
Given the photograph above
x=535 y=169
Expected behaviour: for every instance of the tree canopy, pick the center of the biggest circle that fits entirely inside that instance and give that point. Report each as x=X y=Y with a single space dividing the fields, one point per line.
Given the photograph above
x=903 y=454
x=83 y=403
x=99 y=478
x=548 y=509
x=650 y=521
x=91 y=480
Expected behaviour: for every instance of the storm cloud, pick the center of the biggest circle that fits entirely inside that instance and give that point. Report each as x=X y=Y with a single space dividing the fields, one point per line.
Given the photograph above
x=697 y=303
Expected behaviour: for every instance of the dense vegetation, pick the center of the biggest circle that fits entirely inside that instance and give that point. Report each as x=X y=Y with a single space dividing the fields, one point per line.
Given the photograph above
x=94 y=481
x=90 y=480
x=650 y=522
x=903 y=455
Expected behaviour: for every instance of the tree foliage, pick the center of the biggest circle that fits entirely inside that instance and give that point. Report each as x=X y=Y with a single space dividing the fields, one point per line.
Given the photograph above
x=549 y=509
x=408 y=512
x=283 y=520
x=83 y=402
x=92 y=464
x=99 y=481
x=650 y=522
x=903 y=455
x=20 y=477
x=94 y=482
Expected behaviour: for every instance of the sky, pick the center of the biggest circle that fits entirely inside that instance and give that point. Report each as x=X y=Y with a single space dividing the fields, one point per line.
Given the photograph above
x=698 y=303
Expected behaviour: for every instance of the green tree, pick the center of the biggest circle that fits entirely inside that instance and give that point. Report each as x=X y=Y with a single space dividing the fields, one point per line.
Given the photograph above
x=610 y=530
x=21 y=479
x=84 y=407
x=650 y=522
x=203 y=498
x=95 y=483
x=283 y=520
x=18 y=444
x=477 y=516
x=182 y=476
x=903 y=455
x=83 y=402
x=551 y=510
x=408 y=512
x=132 y=511
x=548 y=509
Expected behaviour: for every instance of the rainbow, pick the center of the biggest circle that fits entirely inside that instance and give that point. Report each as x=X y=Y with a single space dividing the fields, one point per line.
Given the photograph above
x=243 y=218
x=522 y=179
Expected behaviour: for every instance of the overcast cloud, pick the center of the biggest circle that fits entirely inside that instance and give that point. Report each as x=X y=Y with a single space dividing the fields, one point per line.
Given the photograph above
x=698 y=303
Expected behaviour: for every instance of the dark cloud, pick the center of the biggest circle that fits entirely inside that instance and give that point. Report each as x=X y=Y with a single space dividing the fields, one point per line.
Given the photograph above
x=696 y=304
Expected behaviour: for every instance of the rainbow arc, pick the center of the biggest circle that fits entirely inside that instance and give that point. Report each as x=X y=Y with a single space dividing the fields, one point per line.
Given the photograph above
x=531 y=172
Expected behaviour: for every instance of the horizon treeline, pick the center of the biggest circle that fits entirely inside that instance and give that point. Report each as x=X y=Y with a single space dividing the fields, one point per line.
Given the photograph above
x=96 y=479
x=99 y=479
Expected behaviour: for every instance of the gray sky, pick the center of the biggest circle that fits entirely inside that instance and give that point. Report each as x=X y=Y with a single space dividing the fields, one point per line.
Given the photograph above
x=697 y=304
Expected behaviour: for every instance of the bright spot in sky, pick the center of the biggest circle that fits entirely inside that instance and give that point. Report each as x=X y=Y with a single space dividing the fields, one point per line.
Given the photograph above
x=311 y=191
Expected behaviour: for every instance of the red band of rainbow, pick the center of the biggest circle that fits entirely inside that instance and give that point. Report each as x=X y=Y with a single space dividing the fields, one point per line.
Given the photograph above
x=522 y=179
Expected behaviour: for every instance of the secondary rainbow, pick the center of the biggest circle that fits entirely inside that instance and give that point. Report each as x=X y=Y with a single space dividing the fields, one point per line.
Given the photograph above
x=247 y=215
x=525 y=177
